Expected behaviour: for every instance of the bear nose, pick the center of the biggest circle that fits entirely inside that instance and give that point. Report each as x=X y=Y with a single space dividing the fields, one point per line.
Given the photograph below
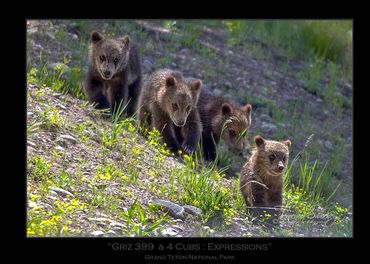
x=107 y=73
x=281 y=168
x=181 y=122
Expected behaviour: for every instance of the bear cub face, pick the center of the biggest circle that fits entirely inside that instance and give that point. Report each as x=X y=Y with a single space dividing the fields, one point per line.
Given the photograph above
x=110 y=55
x=273 y=156
x=180 y=98
x=238 y=121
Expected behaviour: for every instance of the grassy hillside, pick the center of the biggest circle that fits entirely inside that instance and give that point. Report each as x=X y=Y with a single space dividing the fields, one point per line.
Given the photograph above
x=299 y=91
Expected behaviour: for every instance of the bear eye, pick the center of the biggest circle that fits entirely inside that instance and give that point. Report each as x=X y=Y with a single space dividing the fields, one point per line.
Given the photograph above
x=115 y=60
x=284 y=158
x=188 y=108
x=272 y=157
x=175 y=107
x=232 y=133
x=102 y=58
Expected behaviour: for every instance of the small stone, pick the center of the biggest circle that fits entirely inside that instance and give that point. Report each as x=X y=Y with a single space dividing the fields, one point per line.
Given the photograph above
x=117 y=228
x=61 y=191
x=173 y=209
x=61 y=106
x=169 y=232
x=180 y=228
x=69 y=138
x=32 y=204
x=329 y=145
x=50 y=35
x=60 y=148
x=31 y=144
x=193 y=210
x=99 y=219
x=228 y=84
x=111 y=232
x=97 y=233
x=56 y=95
x=72 y=36
x=217 y=92
x=268 y=127
x=265 y=117
x=52 y=193
x=216 y=219
x=116 y=224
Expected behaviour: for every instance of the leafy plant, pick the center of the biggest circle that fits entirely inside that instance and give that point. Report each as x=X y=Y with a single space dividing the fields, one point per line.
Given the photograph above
x=137 y=223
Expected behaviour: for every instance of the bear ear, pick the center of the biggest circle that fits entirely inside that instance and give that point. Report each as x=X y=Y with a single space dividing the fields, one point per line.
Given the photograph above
x=170 y=81
x=125 y=40
x=96 y=36
x=260 y=141
x=247 y=109
x=196 y=85
x=226 y=108
x=288 y=143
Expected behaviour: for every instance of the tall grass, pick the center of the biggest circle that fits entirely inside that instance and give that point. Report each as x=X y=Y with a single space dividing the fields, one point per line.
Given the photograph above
x=61 y=78
x=312 y=178
x=329 y=40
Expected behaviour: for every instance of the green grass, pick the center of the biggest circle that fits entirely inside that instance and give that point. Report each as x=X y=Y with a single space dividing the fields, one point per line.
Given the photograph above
x=312 y=178
x=138 y=223
x=330 y=40
x=57 y=79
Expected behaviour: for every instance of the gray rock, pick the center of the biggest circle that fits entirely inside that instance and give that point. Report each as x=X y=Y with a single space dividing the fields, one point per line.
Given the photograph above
x=329 y=145
x=169 y=232
x=174 y=210
x=216 y=219
x=193 y=210
x=265 y=117
x=52 y=193
x=228 y=84
x=61 y=191
x=268 y=127
x=61 y=106
x=116 y=224
x=69 y=138
x=72 y=36
x=99 y=219
x=60 y=148
x=57 y=95
x=97 y=233
x=64 y=69
x=217 y=92
x=51 y=36
x=111 y=232
x=31 y=144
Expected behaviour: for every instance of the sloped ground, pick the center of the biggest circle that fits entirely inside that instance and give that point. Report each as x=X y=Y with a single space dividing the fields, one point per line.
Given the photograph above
x=106 y=175
x=69 y=147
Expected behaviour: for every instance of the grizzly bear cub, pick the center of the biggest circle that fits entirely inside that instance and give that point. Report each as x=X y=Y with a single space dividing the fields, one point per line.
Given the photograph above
x=261 y=180
x=223 y=119
x=168 y=102
x=114 y=73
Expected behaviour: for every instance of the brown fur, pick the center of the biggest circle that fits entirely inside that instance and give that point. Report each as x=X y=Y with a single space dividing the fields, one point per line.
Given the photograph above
x=168 y=102
x=215 y=113
x=108 y=82
x=261 y=180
